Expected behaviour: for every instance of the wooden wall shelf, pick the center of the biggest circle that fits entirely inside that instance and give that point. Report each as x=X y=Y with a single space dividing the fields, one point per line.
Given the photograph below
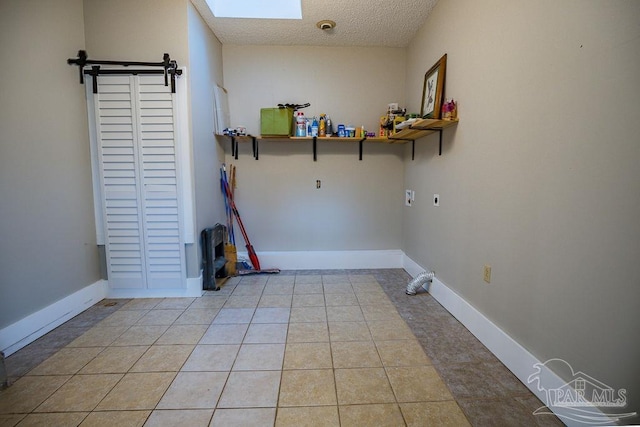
x=417 y=130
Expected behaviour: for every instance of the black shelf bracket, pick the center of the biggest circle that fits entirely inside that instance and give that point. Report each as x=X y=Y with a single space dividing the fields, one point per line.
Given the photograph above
x=315 y=148
x=440 y=144
x=255 y=146
x=234 y=147
x=439 y=130
x=255 y=143
x=413 y=145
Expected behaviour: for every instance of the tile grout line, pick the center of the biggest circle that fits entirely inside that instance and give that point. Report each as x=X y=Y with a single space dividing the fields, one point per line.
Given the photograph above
x=287 y=336
x=235 y=359
x=333 y=366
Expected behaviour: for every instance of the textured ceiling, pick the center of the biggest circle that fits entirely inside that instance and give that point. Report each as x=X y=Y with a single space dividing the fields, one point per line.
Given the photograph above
x=390 y=23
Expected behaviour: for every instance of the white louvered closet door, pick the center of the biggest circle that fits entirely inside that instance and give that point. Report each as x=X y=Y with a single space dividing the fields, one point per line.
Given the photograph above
x=138 y=164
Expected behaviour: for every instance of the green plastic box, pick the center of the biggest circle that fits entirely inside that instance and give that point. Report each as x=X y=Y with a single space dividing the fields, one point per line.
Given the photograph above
x=276 y=121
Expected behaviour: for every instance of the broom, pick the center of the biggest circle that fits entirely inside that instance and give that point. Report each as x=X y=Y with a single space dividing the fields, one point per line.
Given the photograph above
x=252 y=253
x=223 y=180
x=253 y=257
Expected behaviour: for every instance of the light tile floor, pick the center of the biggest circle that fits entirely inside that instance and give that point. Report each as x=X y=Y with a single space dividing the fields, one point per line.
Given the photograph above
x=321 y=348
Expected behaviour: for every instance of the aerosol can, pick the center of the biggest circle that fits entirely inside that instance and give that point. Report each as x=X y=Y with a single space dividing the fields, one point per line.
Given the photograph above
x=301 y=125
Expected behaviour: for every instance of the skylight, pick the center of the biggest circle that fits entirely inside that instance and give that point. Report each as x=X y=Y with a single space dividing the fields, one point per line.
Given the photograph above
x=258 y=9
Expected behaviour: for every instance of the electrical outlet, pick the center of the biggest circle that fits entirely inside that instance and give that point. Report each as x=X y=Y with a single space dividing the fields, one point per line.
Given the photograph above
x=409 y=197
x=487 y=273
x=436 y=200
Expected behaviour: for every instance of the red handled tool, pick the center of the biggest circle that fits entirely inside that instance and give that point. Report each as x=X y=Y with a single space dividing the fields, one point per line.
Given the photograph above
x=252 y=254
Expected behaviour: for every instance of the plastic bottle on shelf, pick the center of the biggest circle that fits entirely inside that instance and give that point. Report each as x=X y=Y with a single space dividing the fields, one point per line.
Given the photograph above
x=314 y=127
x=301 y=125
x=322 y=126
x=350 y=131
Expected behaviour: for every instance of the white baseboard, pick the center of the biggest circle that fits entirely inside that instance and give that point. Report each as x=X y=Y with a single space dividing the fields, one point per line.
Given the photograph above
x=193 y=289
x=32 y=327
x=512 y=354
x=319 y=260
x=515 y=357
x=194 y=286
x=410 y=266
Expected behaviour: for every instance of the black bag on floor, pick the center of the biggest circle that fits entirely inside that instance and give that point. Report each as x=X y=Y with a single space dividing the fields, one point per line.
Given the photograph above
x=213 y=260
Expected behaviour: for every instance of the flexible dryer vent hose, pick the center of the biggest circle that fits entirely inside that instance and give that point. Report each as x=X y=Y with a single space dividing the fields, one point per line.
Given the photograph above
x=422 y=280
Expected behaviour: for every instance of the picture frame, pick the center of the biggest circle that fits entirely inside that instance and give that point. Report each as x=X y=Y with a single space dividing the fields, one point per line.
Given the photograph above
x=433 y=90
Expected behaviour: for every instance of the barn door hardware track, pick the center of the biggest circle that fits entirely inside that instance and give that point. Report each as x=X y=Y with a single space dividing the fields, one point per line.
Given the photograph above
x=169 y=68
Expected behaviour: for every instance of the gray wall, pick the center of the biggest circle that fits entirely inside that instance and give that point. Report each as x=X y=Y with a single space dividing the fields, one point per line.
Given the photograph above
x=141 y=30
x=360 y=203
x=541 y=178
x=205 y=71
x=47 y=233
x=145 y=30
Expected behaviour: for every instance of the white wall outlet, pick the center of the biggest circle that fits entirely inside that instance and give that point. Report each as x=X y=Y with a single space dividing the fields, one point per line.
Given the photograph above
x=409 y=197
x=436 y=200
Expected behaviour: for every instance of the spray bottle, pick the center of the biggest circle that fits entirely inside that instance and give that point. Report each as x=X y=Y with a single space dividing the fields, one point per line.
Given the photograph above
x=301 y=126
x=322 y=126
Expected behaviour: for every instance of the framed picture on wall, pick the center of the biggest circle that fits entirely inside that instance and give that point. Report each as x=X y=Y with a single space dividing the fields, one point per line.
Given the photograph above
x=433 y=90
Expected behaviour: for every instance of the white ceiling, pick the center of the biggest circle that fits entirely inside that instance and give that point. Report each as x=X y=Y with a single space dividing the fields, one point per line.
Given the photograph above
x=390 y=23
